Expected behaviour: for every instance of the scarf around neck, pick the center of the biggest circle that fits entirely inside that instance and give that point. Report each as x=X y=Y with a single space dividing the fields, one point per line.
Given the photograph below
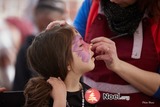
x=122 y=20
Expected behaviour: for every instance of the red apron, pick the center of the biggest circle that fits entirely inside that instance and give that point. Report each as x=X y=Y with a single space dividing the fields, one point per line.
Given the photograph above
x=148 y=61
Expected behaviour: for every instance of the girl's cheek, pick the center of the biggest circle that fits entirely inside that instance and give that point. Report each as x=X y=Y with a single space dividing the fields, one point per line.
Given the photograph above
x=85 y=56
x=86 y=53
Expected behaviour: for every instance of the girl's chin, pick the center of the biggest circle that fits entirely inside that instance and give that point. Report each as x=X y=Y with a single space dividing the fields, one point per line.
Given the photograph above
x=91 y=68
x=93 y=59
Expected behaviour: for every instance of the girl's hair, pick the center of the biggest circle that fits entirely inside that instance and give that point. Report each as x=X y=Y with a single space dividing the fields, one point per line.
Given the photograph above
x=49 y=54
x=152 y=6
x=37 y=93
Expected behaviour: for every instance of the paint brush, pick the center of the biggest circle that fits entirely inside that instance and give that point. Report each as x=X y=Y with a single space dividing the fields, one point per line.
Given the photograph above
x=114 y=37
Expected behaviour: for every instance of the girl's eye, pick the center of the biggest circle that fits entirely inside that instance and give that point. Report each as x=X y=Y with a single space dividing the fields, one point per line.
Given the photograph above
x=81 y=45
x=76 y=31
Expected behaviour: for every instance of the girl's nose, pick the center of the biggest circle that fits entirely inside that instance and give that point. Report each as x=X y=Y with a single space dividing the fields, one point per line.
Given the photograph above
x=91 y=45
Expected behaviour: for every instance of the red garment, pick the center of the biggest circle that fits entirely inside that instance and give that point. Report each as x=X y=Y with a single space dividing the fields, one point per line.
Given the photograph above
x=92 y=14
x=149 y=60
x=156 y=35
x=155 y=25
x=24 y=26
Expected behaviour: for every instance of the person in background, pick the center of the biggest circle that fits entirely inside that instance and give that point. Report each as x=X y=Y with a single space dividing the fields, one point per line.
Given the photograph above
x=31 y=5
x=28 y=12
x=45 y=12
x=126 y=41
x=22 y=26
x=61 y=57
x=13 y=31
x=7 y=56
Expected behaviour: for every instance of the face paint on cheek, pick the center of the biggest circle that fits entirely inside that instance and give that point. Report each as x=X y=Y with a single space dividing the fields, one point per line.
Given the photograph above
x=82 y=52
x=84 y=55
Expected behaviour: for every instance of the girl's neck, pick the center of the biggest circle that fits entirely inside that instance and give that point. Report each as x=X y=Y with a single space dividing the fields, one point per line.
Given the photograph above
x=72 y=82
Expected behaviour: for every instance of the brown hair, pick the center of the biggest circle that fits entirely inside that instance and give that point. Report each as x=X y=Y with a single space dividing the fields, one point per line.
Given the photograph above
x=49 y=55
x=37 y=93
x=152 y=6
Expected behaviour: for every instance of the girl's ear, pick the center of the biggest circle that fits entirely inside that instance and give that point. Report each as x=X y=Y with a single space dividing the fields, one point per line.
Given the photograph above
x=69 y=67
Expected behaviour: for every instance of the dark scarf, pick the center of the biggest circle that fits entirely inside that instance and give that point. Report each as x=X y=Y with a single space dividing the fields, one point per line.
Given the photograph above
x=122 y=20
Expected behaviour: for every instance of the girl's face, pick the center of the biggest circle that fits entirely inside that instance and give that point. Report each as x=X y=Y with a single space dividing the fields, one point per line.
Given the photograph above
x=83 y=59
x=124 y=3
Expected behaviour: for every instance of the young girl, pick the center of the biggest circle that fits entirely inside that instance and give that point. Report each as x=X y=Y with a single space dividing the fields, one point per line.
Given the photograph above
x=61 y=57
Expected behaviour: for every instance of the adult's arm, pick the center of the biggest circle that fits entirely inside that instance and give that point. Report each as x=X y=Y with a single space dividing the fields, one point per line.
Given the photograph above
x=146 y=81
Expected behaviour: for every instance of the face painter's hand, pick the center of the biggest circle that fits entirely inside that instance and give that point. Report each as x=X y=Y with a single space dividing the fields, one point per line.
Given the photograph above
x=56 y=22
x=106 y=50
x=59 y=92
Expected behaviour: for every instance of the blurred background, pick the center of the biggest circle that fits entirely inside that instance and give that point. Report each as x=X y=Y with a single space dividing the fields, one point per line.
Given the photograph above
x=20 y=22
x=17 y=7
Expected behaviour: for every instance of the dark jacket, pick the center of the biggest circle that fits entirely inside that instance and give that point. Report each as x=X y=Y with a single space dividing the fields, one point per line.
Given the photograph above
x=23 y=73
